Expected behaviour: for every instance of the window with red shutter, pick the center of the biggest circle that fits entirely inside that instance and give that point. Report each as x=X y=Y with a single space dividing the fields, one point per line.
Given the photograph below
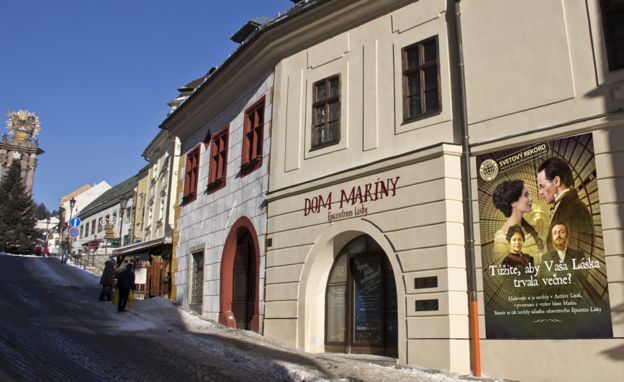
x=218 y=160
x=253 y=136
x=191 y=176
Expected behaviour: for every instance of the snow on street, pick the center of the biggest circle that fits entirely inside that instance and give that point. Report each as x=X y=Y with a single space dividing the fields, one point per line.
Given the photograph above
x=53 y=328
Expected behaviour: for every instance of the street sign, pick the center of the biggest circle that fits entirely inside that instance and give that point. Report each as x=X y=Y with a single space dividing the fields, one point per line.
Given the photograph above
x=74 y=231
x=75 y=222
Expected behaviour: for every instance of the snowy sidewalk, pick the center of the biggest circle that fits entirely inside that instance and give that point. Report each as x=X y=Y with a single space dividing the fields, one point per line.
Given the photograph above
x=243 y=349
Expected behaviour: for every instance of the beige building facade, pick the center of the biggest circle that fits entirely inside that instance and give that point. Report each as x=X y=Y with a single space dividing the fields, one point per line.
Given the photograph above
x=567 y=88
x=366 y=243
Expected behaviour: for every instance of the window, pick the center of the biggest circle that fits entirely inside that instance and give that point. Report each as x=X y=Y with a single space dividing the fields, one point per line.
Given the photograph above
x=161 y=213
x=613 y=23
x=421 y=81
x=218 y=160
x=326 y=113
x=191 y=176
x=253 y=136
x=81 y=231
x=93 y=227
x=150 y=210
x=86 y=232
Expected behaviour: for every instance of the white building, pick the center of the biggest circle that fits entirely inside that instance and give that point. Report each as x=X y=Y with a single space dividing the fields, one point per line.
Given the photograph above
x=82 y=196
x=224 y=128
x=102 y=226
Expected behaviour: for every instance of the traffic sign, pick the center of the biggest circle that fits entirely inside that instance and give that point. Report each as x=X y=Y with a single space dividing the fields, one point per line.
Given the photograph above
x=75 y=222
x=74 y=231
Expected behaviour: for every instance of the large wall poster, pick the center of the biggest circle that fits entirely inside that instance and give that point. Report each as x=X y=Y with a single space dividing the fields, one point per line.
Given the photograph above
x=544 y=273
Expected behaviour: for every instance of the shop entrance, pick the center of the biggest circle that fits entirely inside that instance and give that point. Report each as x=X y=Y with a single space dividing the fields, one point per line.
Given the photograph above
x=361 y=301
x=243 y=281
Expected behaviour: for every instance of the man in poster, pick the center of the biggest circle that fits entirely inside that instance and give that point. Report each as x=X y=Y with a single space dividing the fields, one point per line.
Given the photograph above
x=564 y=260
x=554 y=180
x=562 y=253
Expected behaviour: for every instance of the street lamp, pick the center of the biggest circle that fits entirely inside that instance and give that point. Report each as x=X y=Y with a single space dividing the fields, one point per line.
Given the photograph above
x=72 y=203
x=92 y=250
x=47 y=231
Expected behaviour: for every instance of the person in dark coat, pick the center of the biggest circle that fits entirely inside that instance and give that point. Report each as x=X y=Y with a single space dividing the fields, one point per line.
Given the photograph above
x=125 y=283
x=107 y=281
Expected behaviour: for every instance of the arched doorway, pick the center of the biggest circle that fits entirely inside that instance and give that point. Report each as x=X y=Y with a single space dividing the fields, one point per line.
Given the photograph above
x=361 y=301
x=239 y=277
x=244 y=281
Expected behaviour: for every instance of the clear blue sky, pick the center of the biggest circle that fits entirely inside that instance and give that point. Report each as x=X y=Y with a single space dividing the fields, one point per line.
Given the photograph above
x=98 y=74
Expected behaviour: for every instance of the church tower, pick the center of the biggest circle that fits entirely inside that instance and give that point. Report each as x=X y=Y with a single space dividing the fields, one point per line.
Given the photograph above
x=22 y=145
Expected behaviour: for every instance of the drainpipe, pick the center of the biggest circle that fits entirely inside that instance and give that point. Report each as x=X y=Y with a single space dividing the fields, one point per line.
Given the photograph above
x=473 y=312
x=168 y=227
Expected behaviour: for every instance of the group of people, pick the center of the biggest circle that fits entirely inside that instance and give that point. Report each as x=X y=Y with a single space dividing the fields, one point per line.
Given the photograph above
x=519 y=243
x=124 y=284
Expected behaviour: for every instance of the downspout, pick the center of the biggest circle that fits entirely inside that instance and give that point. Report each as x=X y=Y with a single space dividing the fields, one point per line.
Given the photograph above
x=473 y=312
x=169 y=230
x=168 y=227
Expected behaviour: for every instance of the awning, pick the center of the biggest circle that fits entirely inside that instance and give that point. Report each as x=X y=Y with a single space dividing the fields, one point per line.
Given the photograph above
x=141 y=247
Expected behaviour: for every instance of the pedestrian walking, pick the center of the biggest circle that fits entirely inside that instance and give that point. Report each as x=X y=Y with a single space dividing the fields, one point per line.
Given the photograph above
x=125 y=283
x=107 y=281
x=66 y=247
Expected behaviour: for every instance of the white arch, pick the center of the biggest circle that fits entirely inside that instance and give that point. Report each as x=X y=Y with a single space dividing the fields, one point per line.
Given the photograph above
x=319 y=261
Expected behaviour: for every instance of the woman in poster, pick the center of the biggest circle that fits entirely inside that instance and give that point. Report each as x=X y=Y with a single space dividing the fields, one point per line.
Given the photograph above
x=512 y=198
x=516 y=258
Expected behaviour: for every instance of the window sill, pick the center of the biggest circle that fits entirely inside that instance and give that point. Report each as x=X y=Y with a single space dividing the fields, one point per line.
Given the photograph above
x=186 y=199
x=324 y=145
x=215 y=185
x=409 y=120
x=251 y=165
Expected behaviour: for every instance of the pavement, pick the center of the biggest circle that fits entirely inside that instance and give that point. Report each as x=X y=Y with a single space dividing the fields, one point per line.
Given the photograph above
x=156 y=340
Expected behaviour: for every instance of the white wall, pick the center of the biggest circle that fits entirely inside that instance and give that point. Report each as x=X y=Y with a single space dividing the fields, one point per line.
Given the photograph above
x=205 y=222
